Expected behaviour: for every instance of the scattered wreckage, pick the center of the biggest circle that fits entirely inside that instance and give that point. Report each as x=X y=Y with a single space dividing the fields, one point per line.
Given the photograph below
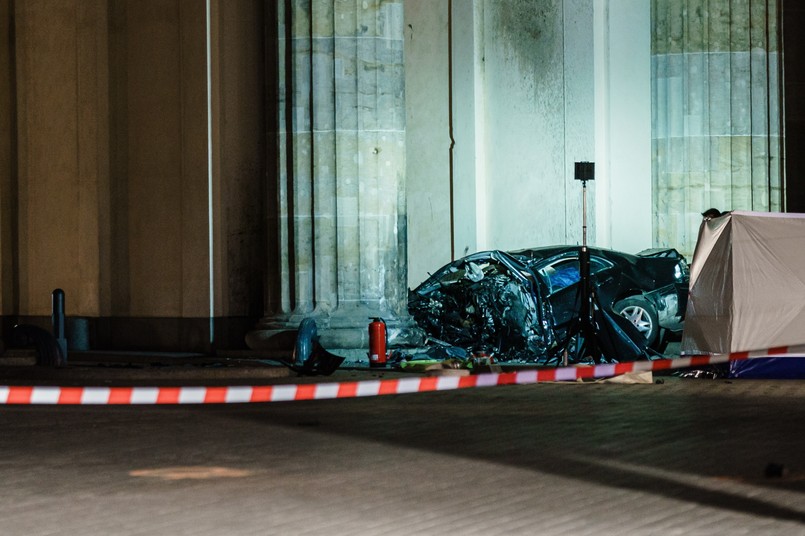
x=524 y=306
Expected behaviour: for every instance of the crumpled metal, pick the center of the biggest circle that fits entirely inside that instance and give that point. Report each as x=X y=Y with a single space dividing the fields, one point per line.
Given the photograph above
x=486 y=300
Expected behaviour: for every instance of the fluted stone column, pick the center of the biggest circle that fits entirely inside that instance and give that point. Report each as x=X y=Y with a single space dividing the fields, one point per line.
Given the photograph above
x=716 y=112
x=338 y=247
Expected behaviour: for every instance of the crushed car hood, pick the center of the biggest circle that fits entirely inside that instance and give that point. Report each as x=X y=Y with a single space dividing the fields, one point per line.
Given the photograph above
x=488 y=300
x=504 y=303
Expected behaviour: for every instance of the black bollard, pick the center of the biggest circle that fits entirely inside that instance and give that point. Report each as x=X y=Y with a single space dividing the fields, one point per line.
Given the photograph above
x=58 y=323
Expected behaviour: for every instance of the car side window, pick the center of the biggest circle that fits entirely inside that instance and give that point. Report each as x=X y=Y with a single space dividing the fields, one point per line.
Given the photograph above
x=596 y=265
x=562 y=274
x=565 y=272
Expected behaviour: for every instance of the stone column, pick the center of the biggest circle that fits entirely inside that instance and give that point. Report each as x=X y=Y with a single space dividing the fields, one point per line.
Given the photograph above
x=338 y=244
x=716 y=112
x=55 y=199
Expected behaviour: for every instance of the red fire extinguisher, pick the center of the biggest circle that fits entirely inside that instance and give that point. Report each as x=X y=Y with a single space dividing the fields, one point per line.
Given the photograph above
x=377 y=343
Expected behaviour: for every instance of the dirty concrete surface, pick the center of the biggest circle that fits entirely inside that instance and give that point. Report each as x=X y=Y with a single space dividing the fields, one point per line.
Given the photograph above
x=677 y=457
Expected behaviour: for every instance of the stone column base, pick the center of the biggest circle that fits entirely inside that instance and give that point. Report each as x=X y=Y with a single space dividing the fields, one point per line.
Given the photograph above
x=343 y=332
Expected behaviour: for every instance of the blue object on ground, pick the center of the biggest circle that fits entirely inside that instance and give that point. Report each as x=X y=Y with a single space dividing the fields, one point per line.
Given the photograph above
x=769 y=368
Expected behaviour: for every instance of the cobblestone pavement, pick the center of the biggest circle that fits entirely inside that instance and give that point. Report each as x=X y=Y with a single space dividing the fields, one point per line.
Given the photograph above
x=679 y=457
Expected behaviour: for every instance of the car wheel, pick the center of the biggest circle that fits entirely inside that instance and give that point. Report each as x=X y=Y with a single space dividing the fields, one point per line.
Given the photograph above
x=641 y=313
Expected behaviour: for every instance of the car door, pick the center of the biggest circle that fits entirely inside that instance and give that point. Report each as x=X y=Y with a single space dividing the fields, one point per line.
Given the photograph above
x=562 y=278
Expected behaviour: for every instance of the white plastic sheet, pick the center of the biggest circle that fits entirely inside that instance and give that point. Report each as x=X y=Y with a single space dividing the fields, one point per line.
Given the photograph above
x=747 y=284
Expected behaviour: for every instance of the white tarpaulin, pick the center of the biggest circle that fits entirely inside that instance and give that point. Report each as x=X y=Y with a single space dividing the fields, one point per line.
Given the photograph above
x=747 y=284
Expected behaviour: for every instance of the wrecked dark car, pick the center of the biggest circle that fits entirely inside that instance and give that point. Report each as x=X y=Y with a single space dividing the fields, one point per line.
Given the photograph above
x=523 y=305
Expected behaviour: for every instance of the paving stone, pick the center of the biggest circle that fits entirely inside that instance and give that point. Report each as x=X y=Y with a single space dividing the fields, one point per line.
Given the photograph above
x=683 y=457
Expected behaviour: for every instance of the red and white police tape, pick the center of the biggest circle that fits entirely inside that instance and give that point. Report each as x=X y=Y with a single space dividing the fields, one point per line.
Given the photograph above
x=352 y=389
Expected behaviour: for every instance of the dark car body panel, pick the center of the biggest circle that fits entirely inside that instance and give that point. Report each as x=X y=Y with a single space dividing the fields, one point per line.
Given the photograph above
x=650 y=273
x=523 y=302
x=485 y=300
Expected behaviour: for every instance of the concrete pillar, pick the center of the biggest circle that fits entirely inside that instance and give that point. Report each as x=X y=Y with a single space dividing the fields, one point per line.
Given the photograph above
x=238 y=159
x=340 y=237
x=110 y=195
x=428 y=141
x=62 y=151
x=522 y=112
x=159 y=160
x=132 y=167
x=622 y=55
x=716 y=112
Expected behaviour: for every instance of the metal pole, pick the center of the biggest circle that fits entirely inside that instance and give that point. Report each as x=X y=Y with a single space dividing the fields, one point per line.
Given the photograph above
x=587 y=320
x=58 y=323
x=584 y=214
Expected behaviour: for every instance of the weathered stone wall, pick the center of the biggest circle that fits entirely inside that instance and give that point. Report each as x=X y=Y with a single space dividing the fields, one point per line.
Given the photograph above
x=62 y=126
x=501 y=104
x=427 y=103
x=159 y=191
x=538 y=120
x=142 y=191
x=622 y=54
x=716 y=123
x=341 y=232
x=116 y=181
x=238 y=144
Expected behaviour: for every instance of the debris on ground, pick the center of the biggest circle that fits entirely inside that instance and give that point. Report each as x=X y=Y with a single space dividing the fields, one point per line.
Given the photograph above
x=709 y=372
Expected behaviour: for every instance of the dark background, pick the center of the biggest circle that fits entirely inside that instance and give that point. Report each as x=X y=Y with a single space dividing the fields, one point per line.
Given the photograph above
x=794 y=80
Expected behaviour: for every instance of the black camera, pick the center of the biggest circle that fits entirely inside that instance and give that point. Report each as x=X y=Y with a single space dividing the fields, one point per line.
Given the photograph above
x=585 y=171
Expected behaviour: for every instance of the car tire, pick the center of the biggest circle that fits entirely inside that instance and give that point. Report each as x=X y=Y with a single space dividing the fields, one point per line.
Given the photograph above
x=641 y=313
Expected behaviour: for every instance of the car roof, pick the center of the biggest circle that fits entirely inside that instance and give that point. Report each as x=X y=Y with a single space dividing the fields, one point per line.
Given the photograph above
x=548 y=252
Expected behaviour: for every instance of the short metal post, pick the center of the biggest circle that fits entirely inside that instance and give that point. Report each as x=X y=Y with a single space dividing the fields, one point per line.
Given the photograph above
x=58 y=323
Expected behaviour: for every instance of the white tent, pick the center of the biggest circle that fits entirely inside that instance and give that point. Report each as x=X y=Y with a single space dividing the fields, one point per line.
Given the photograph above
x=747 y=284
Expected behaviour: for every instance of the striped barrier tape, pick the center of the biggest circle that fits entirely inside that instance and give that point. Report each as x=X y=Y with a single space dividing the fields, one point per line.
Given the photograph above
x=354 y=389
